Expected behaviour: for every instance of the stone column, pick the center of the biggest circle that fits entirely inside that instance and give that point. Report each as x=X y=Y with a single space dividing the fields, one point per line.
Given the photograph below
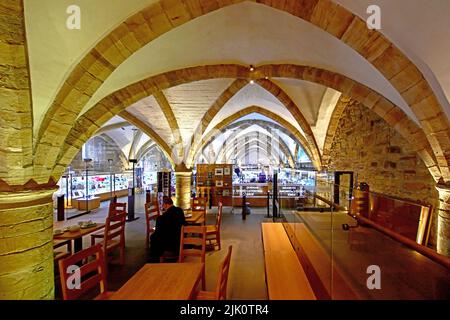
x=26 y=244
x=183 y=189
x=443 y=222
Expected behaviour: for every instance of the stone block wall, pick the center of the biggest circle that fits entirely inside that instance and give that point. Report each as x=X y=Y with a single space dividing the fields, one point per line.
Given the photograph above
x=365 y=144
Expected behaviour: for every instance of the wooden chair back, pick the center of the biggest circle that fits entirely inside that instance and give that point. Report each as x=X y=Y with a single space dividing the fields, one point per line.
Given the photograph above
x=117 y=208
x=151 y=213
x=92 y=273
x=195 y=238
x=219 y=216
x=222 y=280
x=115 y=228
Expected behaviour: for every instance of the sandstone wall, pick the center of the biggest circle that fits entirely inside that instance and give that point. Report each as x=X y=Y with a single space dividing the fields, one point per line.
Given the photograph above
x=365 y=144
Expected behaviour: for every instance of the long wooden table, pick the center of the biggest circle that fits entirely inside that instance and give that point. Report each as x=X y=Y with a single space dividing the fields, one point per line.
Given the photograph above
x=286 y=279
x=162 y=281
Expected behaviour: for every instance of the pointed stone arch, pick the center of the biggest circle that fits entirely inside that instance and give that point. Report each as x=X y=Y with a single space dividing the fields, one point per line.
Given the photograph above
x=256 y=109
x=163 y=16
x=342 y=103
x=116 y=102
x=254 y=147
x=222 y=153
x=278 y=93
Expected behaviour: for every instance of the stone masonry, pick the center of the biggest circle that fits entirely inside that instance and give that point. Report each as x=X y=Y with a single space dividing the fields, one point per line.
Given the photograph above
x=365 y=144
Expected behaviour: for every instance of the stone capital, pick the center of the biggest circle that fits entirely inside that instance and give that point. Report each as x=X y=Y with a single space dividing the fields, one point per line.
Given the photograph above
x=182 y=169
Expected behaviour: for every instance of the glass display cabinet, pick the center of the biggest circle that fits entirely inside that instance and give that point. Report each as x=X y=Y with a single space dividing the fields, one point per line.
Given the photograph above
x=98 y=185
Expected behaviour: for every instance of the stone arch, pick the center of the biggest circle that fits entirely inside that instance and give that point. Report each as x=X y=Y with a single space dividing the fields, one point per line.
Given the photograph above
x=263 y=124
x=270 y=87
x=220 y=102
x=332 y=127
x=282 y=96
x=269 y=155
x=282 y=148
x=146 y=147
x=116 y=102
x=112 y=127
x=163 y=16
x=254 y=109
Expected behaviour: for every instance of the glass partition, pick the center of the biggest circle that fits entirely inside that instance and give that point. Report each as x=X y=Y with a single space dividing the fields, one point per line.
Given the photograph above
x=357 y=244
x=307 y=215
x=97 y=184
x=380 y=249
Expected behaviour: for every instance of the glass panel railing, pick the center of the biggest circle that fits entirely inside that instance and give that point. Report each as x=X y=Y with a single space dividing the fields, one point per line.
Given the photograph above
x=379 y=250
x=307 y=218
x=357 y=244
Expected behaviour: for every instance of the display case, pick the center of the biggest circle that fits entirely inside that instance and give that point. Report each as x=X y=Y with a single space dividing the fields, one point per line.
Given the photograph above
x=150 y=181
x=98 y=185
x=294 y=190
x=255 y=193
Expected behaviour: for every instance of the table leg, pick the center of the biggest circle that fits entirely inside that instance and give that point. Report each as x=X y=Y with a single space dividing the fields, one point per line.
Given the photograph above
x=78 y=244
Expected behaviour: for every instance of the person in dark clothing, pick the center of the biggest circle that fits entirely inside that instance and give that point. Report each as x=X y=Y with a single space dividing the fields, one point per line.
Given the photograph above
x=167 y=231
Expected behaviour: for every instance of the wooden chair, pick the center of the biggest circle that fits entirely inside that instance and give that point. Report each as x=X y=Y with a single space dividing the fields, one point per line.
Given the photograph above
x=199 y=204
x=195 y=238
x=213 y=231
x=117 y=208
x=92 y=273
x=114 y=209
x=61 y=254
x=114 y=236
x=151 y=214
x=222 y=281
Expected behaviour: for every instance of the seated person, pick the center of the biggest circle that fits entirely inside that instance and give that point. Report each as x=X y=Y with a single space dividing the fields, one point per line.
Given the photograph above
x=167 y=231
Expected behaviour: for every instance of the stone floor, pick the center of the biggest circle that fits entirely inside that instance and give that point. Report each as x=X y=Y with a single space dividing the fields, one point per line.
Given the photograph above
x=246 y=278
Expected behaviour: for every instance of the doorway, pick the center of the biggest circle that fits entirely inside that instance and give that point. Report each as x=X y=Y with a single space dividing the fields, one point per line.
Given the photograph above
x=343 y=185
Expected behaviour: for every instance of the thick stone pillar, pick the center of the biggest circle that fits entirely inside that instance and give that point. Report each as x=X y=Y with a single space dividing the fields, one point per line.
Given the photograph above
x=443 y=222
x=183 y=178
x=26 y=245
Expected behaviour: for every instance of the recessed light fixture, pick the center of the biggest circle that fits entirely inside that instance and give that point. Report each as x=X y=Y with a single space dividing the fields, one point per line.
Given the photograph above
x=252 y=81
x=266 y=77
x=252 y=68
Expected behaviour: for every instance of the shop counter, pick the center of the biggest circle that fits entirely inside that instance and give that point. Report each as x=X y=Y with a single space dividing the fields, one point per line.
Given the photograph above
x=80 y=203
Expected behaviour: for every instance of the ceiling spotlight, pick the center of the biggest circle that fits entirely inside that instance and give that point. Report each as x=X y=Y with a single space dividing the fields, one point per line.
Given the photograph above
x=252 y=81
x=252 y=68
x=266 y=77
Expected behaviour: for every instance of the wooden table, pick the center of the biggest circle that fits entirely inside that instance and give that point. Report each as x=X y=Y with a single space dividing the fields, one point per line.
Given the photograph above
x=196 y=215
x=162 y=281
x=77 y=236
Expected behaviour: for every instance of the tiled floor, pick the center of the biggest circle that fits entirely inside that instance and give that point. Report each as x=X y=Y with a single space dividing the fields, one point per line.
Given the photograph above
x=246 y=278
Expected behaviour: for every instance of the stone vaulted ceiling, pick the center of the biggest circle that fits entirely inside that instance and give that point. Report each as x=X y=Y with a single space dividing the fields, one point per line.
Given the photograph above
x=246 y=33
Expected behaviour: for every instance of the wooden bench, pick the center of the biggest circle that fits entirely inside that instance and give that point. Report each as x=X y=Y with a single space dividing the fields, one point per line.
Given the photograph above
x=325 y=277
x=285 y=277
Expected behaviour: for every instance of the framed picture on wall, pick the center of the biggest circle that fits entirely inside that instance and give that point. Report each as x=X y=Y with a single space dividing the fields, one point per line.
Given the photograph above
x=226 y=171
x=219 y=183
x=218 y=172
